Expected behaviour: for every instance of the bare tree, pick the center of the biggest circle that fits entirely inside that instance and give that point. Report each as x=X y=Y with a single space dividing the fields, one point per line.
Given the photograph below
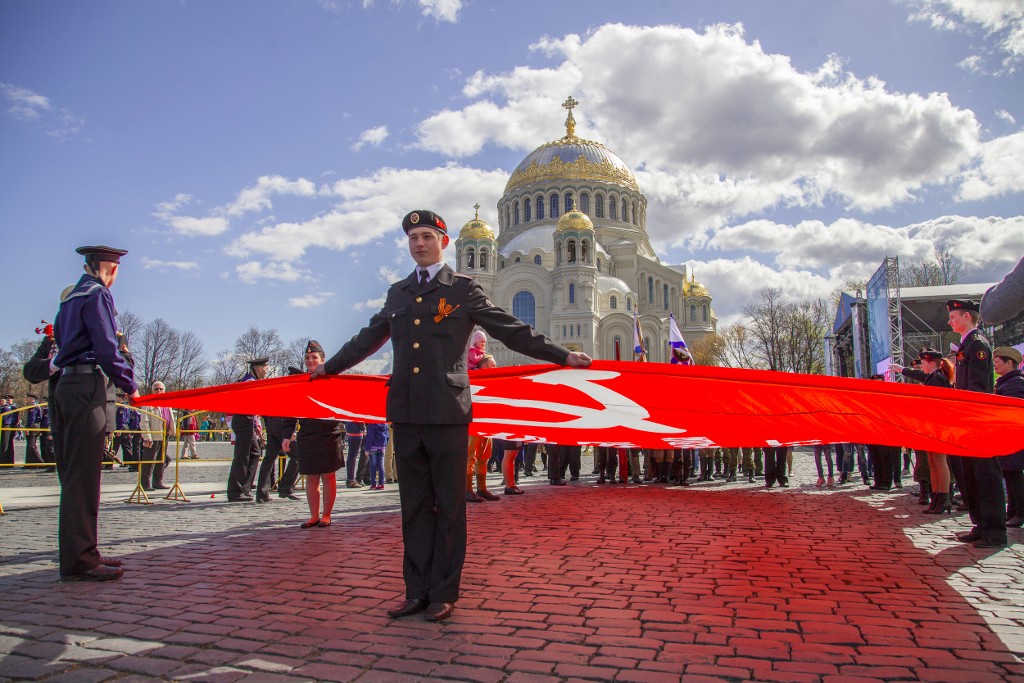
x=766 y=319
x=130 y=325
x=735 y=347
x=189 y=363
x=944 y=268
x=257 y=343
x=297 y=352
x=224 y=369
x=155 y=356
x=780 y=335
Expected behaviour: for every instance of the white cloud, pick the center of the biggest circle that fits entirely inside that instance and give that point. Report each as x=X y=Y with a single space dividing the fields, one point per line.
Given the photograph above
x=24 y=104
x=374 y=366
x=812 y=259
x=372 y=206
x=148 y=263
x=973 y=64
x=1001 y=19
x=189 y=226
x=253 y=272
x=369 y=304
x=1000 y=171
x=389 y=275
x=752 y=132
x=372 y=136
x=1006 y=116
x=441 y=10
x=310 y=300
x=257 y=197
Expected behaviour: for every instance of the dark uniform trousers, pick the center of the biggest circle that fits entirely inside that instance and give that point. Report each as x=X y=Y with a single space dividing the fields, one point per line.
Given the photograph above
x=775 y=465
x=432 y=458
x=245 y=458
x=429 y=403
x=982 y=481
x=79 y=418
x=275 y=435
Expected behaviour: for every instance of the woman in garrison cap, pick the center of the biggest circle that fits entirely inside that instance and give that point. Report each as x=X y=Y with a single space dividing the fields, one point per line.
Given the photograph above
x=935 y=371
x=320 y=452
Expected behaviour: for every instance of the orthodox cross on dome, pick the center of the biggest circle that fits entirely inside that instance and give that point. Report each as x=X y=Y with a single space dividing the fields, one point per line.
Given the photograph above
x=570 y=122
x=476 y=207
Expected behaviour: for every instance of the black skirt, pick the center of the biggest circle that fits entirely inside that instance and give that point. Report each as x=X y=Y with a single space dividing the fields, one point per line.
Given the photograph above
x=319 y=446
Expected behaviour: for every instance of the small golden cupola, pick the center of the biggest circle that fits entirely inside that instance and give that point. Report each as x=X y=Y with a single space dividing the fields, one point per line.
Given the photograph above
x=476 y=229
x=574 y=220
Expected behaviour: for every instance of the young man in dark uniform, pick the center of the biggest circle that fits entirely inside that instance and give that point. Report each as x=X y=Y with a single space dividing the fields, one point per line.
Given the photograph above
x=983 y=478
x=429 y=317
x=90 y=367
x=248 y=431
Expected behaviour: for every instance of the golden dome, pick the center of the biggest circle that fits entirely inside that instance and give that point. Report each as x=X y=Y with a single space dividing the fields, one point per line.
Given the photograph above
x=476 y=228
x=575 y=220
x=574 y=158
x=694 y=288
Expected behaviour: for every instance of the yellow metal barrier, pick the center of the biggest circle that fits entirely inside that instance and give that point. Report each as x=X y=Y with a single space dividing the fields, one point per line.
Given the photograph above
x=139 y=494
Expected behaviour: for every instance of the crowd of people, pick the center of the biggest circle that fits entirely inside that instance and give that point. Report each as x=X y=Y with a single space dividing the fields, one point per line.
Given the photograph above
x=426 y=447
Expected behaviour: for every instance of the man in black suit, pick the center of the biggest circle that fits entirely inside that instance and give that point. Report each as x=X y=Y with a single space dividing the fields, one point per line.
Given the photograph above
x=429 y=317
x=982 y=477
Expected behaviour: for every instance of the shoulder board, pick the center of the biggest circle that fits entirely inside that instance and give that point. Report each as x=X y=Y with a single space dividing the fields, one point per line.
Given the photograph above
x=463 y=276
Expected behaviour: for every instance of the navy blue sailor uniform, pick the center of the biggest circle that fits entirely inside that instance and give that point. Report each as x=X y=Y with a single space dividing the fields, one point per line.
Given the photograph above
x=429 y=403
x=83 y=412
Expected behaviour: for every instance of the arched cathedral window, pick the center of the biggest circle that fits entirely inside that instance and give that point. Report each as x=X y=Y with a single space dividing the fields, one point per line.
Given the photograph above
x=585 y=203
x=554 y=206
x=526 y=210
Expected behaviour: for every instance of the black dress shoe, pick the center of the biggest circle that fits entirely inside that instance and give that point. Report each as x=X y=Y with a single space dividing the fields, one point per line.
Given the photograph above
x=98 y=573
x=289 y=496
x=558 y=482
x=240 y=499
x=160 y=487
x=473 y=498
x=410 y=606
x=438 y=611
x=989 y=543
x=968 y=537
x=110 y=561
x=262 y=499
x=487 y=495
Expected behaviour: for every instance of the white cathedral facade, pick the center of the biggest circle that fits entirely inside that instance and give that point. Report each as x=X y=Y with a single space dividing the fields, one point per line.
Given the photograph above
x=572 y=257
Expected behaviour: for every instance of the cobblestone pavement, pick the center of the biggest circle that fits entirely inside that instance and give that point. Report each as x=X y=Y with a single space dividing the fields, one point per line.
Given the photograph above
x=715 y=582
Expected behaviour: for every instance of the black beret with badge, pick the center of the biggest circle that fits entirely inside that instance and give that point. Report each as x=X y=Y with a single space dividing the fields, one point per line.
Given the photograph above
x=258 y=361
x=962 y=305
x=424 y=219
x=929 y=354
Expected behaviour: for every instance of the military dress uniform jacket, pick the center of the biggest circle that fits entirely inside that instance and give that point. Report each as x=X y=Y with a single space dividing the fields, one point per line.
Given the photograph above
x=974 y=370
x=930 y=379
x=429 y=330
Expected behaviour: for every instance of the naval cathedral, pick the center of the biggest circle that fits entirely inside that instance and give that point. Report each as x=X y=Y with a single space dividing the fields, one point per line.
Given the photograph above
x=572 y=257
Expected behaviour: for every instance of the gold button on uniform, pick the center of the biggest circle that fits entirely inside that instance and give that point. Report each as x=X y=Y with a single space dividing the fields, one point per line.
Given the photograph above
x=419 y=299
x=415 y=371
x=416 y=321
x=415 y=345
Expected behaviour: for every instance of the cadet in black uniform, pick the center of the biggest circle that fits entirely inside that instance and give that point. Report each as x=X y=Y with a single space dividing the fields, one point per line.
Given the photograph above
x=83 y=412
x=429 y=317
x=983 y=477
x=248 y=433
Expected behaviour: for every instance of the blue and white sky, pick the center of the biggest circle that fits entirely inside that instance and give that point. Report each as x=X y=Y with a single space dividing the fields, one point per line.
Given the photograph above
x=256 y=157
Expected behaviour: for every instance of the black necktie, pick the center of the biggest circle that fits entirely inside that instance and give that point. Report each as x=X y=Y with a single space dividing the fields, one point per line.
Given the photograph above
x=424 y=276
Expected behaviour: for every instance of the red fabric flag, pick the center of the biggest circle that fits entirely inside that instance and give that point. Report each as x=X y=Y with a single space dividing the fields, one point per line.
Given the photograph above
x=661 y=406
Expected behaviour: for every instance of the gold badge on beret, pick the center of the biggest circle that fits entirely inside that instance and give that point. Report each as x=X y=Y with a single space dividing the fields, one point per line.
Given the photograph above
x=414 y=218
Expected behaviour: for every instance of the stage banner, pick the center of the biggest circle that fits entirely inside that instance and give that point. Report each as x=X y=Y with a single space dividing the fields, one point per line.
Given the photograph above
x=656 y=405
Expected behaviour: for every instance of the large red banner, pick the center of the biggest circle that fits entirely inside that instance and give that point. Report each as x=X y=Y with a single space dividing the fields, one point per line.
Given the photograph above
x=660 y=406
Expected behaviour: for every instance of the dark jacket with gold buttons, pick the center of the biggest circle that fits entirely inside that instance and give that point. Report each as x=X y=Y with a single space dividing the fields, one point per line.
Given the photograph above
x=429 y=331
x=974 y=370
